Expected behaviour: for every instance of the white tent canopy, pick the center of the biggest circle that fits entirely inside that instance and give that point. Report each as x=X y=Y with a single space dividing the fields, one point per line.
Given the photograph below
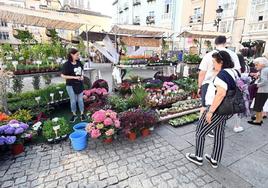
x=42 y=18
x=140 y=30
x=201 y=34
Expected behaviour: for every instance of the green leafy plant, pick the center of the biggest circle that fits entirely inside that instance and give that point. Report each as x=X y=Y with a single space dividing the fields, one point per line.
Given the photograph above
x=194 y=59
x=119 y=104
x=36 y=82
x=138 y=97
x=17 y=84
x=22 y=115
x=50 y=133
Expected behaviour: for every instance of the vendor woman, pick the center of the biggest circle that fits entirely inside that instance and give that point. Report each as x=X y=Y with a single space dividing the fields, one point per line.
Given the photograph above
x=72 y=72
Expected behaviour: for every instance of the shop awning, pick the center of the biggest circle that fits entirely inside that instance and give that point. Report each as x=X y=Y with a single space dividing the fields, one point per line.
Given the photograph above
x=201 y=34
x=140 y=30
x=42 y=18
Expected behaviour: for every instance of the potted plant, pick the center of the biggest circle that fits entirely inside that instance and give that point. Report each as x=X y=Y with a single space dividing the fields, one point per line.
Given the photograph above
x=11 y=134
x=22 y=115
x=56 y=129
x=104 y=125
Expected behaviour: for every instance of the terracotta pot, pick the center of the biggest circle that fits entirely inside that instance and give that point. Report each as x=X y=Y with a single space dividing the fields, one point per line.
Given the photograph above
x=17 y=149
x=108 y=140
x=132 y=136
x=145 y=132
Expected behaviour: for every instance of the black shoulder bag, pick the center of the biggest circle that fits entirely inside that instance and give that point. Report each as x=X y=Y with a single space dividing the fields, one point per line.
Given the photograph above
x=232 y=103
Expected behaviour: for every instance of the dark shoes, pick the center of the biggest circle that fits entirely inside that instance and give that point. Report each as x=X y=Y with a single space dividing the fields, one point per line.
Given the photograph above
x=83 y=117
x=73 y=119
x=191 y=157
x=212 y=162
x=254 y=117
x=255 y=123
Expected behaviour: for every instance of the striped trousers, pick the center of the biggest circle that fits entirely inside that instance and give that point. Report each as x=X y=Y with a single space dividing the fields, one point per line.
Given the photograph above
x=203 y=128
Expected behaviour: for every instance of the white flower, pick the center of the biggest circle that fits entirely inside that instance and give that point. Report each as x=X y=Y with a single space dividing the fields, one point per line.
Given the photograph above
x=56 y=119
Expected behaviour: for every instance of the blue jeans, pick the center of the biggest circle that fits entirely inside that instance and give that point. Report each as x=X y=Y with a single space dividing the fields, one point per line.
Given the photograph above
x=74 y=99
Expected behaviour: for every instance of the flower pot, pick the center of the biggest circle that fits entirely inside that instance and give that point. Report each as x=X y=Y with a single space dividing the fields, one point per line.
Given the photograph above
x=108 y=140
x=145 y=132
x=17 y=149
x=132 y=136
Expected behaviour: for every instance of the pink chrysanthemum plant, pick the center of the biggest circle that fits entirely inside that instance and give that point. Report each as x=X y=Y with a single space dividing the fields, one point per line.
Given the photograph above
x=104 y=124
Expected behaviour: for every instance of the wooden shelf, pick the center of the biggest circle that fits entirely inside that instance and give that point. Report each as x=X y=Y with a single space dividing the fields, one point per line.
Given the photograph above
x=168 y=117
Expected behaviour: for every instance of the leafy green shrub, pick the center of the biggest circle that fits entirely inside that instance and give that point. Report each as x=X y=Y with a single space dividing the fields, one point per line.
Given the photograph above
x=195 y=59
x=119 y=104
x=48 y=131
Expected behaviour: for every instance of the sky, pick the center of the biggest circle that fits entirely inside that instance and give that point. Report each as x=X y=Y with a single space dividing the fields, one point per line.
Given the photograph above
x=102 y=6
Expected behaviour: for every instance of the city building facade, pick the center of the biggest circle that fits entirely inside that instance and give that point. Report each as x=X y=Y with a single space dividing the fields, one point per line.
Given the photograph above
x=7 y=27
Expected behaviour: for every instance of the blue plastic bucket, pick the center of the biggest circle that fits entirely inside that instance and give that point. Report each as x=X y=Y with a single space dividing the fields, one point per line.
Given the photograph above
x=80 y=126
x=78 y=140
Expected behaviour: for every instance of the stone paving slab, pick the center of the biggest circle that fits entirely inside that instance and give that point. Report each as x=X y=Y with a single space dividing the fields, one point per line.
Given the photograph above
x=148 y=162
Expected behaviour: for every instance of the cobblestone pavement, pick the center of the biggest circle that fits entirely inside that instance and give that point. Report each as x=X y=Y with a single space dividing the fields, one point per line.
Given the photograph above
x=147 y=162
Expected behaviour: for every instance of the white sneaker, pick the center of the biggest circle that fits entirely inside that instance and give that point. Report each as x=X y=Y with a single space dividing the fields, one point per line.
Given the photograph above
x=238 y=129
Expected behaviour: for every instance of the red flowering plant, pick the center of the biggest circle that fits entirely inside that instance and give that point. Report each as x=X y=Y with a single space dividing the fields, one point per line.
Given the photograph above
x=136 y=120
x=125 y=88
x=104 y=125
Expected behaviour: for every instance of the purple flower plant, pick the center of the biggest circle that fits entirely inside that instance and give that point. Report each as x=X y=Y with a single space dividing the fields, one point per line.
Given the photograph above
x=7 y=140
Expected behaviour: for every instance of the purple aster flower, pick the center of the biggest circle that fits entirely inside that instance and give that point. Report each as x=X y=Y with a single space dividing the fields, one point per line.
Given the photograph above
x=24 y=126
x=13 y=121
x=9 y=130
x=19 y=131
x=2 y=140
x=10 y=139
x=2 y=128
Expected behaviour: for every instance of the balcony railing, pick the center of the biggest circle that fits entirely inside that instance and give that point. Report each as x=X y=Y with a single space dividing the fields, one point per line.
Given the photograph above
x=150 y=1
x=136 y=2
x=150 y=20
x=259 y=27
x=195 y=19
x=136 y=21
x=120 y=10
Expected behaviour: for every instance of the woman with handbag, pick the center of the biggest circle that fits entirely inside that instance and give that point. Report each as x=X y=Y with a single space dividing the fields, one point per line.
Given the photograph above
x=72 y=72
x=261 y=64
x=223 y=84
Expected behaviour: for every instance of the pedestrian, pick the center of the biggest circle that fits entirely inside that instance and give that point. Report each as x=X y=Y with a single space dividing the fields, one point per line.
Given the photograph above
x=224 y=81
x=261 y=64
x=72 y=72
x=206 y=72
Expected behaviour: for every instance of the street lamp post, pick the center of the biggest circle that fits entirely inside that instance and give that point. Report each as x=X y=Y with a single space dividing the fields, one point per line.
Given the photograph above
x=218 y=17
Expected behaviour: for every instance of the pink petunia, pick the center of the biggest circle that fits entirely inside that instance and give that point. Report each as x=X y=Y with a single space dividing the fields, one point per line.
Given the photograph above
x=117 y=123
x=108 y=121
x=95 y=133
x=110 y=132
x=99 y=116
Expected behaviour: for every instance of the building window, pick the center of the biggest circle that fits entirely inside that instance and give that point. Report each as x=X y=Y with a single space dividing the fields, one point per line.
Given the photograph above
x=167 y=6
x=151 y=13
x=197 y=11
x=3 y=23
x=260 y=18
x=4 y=36
x=76 y=32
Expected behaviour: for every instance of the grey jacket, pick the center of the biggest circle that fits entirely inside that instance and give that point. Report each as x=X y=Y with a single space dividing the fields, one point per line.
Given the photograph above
x=262 y=83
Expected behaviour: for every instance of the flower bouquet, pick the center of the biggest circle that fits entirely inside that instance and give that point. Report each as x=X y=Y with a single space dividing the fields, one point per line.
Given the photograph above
x=104 y=125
